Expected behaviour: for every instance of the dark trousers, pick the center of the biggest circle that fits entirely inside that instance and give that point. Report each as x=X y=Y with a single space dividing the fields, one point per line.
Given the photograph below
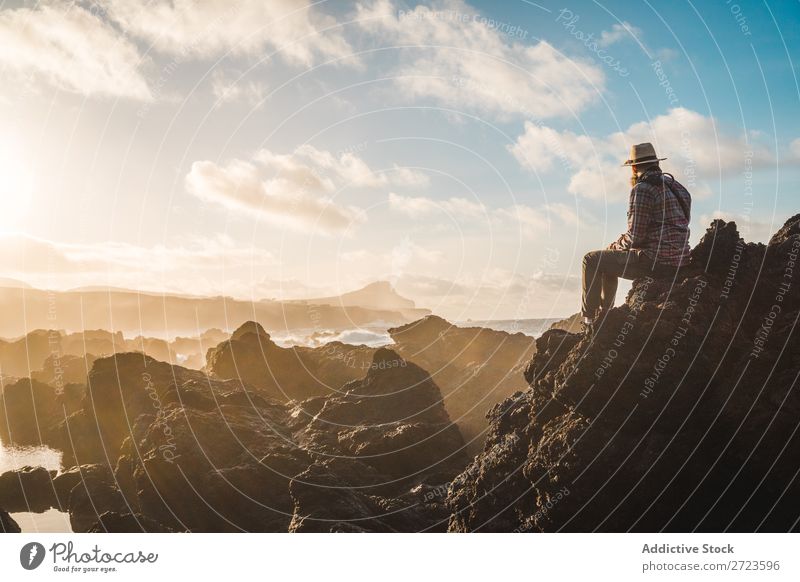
x=601 y=269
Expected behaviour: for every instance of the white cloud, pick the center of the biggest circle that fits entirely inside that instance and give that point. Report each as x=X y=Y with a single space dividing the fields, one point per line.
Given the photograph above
x=403 y=253
x=464 y=63
x=620 y=32
x=417 y=206
x=42 y=262
x=494 y=294
x=531 y=221
x=699 y=153
x=794 y=149
x=227 y=89
x=72 y=49
x=294 y=189
x=534 y=221
x=181 y=27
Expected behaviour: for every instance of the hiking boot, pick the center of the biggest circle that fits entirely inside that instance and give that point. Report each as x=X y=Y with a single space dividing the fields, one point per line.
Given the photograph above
x=591 y=327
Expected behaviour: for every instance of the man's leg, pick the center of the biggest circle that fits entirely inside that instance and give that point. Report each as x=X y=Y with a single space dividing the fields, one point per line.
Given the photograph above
x=600 y=272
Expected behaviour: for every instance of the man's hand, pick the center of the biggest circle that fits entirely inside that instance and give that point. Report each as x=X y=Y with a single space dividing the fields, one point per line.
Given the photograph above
x=621 y=244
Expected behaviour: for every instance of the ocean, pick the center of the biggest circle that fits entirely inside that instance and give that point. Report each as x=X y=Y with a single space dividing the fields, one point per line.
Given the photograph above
x=13 y=458
x=377 y=335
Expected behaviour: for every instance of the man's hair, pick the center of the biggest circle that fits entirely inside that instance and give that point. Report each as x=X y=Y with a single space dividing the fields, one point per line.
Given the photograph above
x=641 y=169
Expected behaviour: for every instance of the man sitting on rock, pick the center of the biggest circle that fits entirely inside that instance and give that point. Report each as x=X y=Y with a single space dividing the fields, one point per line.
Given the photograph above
x=656 y=243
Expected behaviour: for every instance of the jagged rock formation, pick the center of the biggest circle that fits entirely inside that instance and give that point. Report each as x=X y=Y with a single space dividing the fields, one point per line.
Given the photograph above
x=29 y=409
x=7 y=523
x=571 y=324
x=286 y=374
x=681 y=414
x=475 y=367
x=59 y=371
x=27 y=489
x=174 y=450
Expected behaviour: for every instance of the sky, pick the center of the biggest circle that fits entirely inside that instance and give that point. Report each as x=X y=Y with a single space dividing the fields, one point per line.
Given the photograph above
x=468 y=152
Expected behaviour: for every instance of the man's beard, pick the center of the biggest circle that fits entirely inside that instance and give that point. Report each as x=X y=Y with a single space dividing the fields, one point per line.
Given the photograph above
x=634 y=178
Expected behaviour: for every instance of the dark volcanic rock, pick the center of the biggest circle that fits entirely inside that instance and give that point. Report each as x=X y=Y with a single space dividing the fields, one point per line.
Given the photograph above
x=27 y=489
x=27 y=411
x=387 y=435
x=90 y=499
x=475 y=367
x=7 y=523
x=173 y=449
x=293 y=373
x=121 y=388
x=60 y=370
x=680 y=414
x=66 y=481
x=112 y=522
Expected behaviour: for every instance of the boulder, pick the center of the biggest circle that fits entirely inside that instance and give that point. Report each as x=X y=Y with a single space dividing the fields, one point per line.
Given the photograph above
x=7 y=523
x=27 y=489
x=295 y=373
x=679 y=414
x=112 y=522
x=27 y=411
x=474 y=367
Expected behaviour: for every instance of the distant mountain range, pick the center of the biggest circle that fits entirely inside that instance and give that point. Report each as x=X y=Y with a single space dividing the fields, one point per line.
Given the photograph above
x=25 y=309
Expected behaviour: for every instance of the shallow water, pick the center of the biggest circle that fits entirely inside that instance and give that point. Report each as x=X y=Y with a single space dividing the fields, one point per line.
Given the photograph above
x=12 y=458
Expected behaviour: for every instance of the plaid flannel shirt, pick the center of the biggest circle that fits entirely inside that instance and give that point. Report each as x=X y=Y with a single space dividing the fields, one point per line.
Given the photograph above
x=657 y=223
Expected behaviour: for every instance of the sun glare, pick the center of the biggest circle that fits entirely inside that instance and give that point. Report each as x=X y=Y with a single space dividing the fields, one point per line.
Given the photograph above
x=16 y=186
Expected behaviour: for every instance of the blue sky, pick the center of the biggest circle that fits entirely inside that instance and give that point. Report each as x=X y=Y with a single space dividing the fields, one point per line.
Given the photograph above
x=466 y=151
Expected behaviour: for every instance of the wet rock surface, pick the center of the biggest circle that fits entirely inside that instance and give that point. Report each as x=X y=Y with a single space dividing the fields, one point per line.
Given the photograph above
x=157 y=447
x=476 y=367
x=27 y=489
x=680 y=414
x=286 y=374
x=7 y=523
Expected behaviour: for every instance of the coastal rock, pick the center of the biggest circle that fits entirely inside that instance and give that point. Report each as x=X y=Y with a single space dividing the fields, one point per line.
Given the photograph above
x=27 y=489
x=91 y=498
x=475 y=367
x=27 y=410
x=237 y=465
x=680 y=414
x=112 y=522
x=388 y=434
x=296 y=373
x=66 y=481
x=7 y=523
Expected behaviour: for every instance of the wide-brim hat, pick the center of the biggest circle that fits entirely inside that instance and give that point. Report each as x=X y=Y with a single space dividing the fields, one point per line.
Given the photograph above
x=642 y=153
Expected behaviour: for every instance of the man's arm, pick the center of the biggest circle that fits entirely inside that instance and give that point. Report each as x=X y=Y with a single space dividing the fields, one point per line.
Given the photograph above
x=640 y=212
